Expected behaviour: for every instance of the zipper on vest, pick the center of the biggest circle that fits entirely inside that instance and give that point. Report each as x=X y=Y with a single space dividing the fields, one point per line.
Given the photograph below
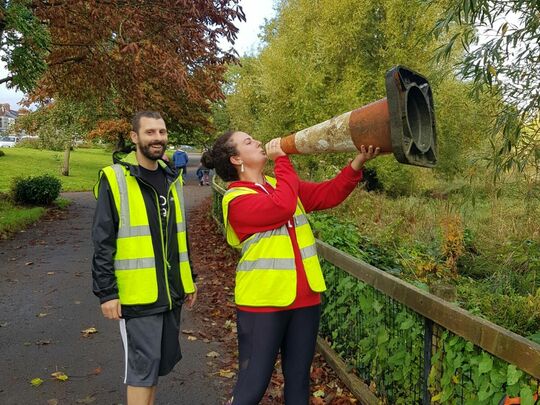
x=165 y=261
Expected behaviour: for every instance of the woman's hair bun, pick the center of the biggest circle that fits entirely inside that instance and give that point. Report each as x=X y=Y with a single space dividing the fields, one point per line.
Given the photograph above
x=207 y=159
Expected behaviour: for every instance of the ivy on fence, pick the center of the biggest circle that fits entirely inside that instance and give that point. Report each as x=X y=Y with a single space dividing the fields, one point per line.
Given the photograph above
x=383 y=340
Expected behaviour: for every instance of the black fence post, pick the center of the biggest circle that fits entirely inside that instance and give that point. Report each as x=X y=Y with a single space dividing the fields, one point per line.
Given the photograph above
x=428 y=340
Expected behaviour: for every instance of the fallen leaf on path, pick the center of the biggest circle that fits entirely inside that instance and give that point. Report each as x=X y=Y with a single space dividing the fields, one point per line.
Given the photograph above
x=3 y=324
x=317 y=373
x=188 y=331
x=77 y=302
x=212 y=354
x=36 y=382
x=97 y=371
x=316 y=401
x=28 y=263
x=43 y=342
x=60 y=376
x=191 y=338
x=52 y=401
x=42 y=314
x=318 y=394
x=230 y=325
x=227 y=373
x=89 y=331
x=50 y=273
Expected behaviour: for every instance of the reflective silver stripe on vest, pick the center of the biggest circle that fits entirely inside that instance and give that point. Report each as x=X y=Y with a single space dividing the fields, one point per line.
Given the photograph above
x=183 y=257
x=131 y=231
x=125 y=230
x=180 y=192
x=308 y=252
x=134 y=264
x=282 y=230
x=300 y=220
x=124 y=201
x=266 y=264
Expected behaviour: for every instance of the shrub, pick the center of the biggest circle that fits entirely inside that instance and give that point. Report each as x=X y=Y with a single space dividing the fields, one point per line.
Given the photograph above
x=38 y=190
x=371 y=180
x=2 y=153
x=395 y=178
x=31 y=143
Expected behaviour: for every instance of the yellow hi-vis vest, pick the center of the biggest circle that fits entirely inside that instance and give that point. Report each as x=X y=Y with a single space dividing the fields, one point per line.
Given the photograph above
x=134 y=261
x=266 y=272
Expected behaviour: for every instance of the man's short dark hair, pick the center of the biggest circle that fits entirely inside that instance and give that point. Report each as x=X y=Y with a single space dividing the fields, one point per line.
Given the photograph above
x=136 y=120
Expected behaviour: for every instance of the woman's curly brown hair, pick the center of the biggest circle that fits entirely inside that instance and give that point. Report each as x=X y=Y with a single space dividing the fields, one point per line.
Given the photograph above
x=218 y=157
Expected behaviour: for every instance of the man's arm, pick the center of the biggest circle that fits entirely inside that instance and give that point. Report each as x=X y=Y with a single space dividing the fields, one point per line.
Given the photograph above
x=104 y=231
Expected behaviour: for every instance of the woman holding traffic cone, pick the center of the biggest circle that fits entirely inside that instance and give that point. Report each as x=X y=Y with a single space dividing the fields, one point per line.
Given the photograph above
x=278 y=277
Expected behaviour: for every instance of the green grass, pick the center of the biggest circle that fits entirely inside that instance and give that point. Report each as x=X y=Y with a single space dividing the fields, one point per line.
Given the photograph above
x=84 y=166
x=13 y=218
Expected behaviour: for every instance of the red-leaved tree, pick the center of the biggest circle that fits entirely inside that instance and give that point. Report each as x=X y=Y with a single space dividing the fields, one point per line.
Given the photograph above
x=139 y=54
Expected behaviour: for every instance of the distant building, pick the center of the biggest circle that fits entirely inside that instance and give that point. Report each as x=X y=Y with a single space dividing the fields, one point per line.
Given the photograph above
x=7 y=116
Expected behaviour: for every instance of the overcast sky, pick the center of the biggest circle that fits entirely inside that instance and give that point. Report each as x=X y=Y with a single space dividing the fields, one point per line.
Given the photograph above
x=256 y=11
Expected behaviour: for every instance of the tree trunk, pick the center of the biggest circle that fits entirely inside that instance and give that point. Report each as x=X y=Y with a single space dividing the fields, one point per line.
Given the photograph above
x=65 y=166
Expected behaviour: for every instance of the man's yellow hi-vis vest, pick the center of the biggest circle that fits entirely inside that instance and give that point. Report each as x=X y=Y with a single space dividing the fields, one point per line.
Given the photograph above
x=266 y=272
x=134 y=262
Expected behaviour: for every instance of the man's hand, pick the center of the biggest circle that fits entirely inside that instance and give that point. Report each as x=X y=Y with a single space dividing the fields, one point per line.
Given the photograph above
x=191 y=298
x=112 y=309
x=364 y=155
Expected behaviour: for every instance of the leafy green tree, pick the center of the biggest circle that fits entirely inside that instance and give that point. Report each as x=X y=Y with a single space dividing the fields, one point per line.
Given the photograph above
x=323 y=58
x=60 y=123
x=24 y=44
x=501 y=39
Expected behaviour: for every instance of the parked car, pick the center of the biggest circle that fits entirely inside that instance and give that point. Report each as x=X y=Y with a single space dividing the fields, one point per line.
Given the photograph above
x=8 y=141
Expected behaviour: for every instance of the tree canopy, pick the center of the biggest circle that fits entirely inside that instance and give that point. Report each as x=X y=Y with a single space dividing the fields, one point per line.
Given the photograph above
x=24 y=42
x=142 y=54
x=321 y=59
x=501 y=39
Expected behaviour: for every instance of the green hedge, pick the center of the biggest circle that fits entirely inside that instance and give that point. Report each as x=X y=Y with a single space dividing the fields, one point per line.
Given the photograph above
x=38 y=190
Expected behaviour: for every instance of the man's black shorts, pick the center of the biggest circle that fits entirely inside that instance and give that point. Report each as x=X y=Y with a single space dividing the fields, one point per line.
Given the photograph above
x=151 y=347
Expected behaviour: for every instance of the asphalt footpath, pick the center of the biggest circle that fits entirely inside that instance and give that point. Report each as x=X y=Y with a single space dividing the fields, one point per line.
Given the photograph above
x=47 y=312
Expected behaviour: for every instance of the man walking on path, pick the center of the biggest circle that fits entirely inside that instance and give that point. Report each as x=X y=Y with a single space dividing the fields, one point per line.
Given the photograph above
x=180 y=159
x=140 y=269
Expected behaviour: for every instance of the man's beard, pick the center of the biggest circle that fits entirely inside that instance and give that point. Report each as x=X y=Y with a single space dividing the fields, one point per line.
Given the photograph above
x=152 y=154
